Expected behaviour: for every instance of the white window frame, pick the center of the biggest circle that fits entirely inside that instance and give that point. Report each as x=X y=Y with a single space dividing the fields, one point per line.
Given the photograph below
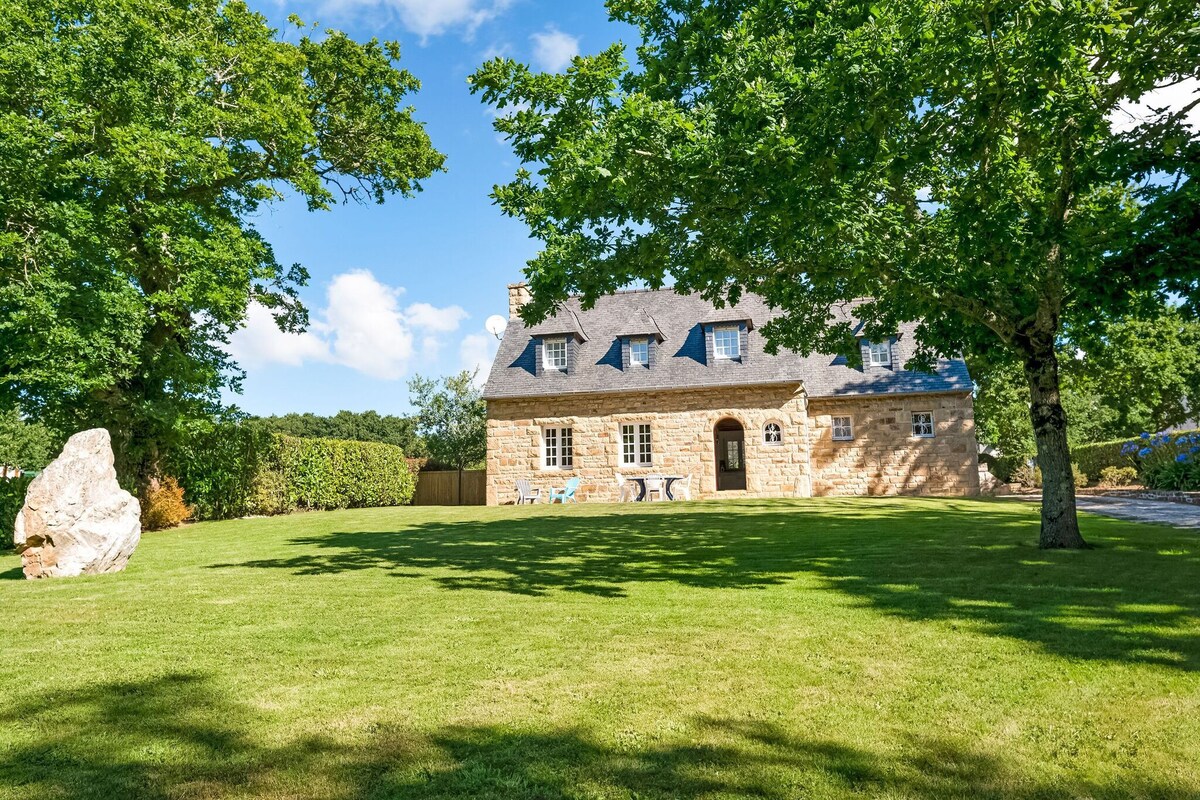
x=637 y=444
x=767 y=440
x=642 y=344
x=842 y=431
x=728 y=355
x=552 y=363
x=879 y=354
x=558 y=447
x=926 y=429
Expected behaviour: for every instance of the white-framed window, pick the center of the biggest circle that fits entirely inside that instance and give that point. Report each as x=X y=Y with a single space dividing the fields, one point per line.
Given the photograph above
x=558 y=448
x=880 y=354
x=554 y=354
x=922 y=424
x=773 y=433
x=843 y=429
x=639 y=352
x=727 y=341
x=635 y=444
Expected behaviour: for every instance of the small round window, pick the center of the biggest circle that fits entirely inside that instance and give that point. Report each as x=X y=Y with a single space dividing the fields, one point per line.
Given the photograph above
x=773 y=433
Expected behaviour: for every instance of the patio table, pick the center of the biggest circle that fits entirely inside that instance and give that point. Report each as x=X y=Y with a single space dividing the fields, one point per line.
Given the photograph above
x=667 y=480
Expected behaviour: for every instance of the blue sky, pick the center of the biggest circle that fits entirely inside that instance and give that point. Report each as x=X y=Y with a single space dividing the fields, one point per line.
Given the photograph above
x=405 y=287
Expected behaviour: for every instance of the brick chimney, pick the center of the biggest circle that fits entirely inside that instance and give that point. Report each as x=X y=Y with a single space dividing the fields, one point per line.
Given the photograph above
x=518 y=296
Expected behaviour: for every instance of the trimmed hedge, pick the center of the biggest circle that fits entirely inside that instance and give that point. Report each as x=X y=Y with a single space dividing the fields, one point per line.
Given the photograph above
x=1094 y=458
x=238 y=470
x=217 y=468
x=335 y=473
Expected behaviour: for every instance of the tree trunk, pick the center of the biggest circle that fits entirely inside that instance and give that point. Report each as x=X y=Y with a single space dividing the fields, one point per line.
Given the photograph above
x=1060 y=527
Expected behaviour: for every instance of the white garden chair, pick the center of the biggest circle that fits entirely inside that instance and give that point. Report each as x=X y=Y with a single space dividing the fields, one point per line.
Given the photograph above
x=525 y=494
x=655 y=484
x=625 y=489
x=682 y=488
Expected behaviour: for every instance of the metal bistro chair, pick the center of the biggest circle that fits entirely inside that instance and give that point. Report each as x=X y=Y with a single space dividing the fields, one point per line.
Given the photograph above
x=525 y=494
x=566 y=493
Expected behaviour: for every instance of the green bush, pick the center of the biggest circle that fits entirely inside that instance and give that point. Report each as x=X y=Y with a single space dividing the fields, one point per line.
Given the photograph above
x=1173 y=476
x=217 y=465
x=1004 y=467
x=1118 y=476
x=1095 y=458
x=12 y=497
x=1079 y=476
x=1028 y=476
x=269 y=493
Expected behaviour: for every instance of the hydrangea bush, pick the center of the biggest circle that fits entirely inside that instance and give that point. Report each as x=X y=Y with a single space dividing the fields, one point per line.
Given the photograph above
x=1166 y=460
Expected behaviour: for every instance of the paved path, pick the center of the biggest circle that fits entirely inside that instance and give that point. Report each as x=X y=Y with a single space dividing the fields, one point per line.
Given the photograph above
x=1181 y=515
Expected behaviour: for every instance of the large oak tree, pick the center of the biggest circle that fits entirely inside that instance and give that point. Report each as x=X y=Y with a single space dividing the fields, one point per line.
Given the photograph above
x=955 y=161
x=137 y=140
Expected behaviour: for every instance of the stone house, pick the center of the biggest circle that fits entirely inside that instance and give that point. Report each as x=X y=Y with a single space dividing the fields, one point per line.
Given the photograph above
x=657 y=382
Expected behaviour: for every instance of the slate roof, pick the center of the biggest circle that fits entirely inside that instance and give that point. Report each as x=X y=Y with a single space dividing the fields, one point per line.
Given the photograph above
x=681 y=361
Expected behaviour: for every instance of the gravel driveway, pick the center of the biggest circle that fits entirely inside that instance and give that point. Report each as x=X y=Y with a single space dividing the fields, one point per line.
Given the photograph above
x=1181 y=515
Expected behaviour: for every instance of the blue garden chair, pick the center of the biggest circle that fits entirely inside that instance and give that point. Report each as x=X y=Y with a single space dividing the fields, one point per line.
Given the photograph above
x=566 y=493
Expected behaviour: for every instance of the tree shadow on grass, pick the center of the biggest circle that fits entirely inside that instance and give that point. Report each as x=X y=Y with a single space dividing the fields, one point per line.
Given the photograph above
x=1134 y=598
x=14 y=574
x=178 y=736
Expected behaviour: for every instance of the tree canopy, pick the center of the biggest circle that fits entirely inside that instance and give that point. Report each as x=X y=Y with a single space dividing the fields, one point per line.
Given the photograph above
x=451 y=418
x=139 y=136
x=1127 y=376
x=955 y=163
x=24 y=444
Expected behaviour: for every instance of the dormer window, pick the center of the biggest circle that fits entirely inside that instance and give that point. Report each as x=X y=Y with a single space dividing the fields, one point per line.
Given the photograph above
x=727 y=342
x=554 y=354
x=879 y=354
x=639 y=352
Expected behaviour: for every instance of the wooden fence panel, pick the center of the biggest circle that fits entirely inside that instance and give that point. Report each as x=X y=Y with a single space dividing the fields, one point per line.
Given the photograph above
x=451 y=488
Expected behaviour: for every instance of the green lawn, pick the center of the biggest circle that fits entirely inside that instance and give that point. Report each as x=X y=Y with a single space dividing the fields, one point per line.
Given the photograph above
x=824 y=648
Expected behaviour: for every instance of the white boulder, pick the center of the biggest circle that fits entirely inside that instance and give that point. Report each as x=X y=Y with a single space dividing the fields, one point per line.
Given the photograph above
x=77 y=520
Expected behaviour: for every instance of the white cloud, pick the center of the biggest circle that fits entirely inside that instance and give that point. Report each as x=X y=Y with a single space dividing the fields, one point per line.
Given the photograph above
x=1170 y=98
x=476 y=353
x=553 y=49
x=365 y=326
x=444 y=320
x=261 y=342
x=362 y=327
x=431 y=17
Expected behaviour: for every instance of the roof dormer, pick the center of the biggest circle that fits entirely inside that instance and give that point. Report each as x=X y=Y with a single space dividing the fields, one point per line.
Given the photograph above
x=640 y=338
x=556 y=343
x=878 y=355
x=727 y=338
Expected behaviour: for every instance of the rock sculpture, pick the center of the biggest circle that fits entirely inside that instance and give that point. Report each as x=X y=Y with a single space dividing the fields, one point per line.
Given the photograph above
x=77 y=520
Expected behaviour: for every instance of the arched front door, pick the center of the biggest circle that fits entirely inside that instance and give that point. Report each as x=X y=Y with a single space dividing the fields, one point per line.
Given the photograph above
x=730 y=440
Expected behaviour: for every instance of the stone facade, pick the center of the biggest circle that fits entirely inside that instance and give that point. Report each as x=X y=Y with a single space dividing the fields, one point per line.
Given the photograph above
x=883 y=458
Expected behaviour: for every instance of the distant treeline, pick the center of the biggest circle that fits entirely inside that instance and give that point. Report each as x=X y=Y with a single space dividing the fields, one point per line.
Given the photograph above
x=366 y=426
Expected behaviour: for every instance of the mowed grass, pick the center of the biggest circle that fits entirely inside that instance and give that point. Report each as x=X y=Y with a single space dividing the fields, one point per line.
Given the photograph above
x=896 y=648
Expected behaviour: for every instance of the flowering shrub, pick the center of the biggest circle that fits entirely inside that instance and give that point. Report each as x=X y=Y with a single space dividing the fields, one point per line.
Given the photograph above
x=1167 y=461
